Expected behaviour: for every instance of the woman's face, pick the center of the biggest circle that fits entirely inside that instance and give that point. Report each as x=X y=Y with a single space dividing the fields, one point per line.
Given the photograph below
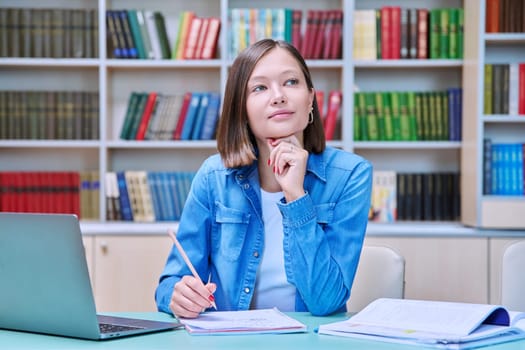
x=278 y=99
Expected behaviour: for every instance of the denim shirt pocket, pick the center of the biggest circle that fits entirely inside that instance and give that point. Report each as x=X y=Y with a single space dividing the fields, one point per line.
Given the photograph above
x=232 y=225
x=325 y=213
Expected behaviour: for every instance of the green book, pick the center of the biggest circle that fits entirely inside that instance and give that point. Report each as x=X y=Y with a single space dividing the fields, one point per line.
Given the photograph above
x=371 y=117
x=487 y=90
x=443 y=33
x=141 y=19
x=433 y=128
x=439 y=123
x=404 y=120
x=433 y=35
x=387 y=111
x=380 y=115
x=137 y=116
x=419 y=116
x=136 y=33
x=396 y=114
x=130 y=114
x=357 y=119
x=160 y=25
x=361 y=102
x=378 y=33
x=426 y=116
x=461 y=31
x=453 y=23
x=446 y=115
x=412 y=118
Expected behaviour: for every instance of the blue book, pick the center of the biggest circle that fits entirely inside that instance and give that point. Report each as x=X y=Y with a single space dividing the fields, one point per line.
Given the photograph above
x=125 y=204
x=167 y=196
x=191 y=115
x=199 y=120
x=212 y=115
x=153 y=183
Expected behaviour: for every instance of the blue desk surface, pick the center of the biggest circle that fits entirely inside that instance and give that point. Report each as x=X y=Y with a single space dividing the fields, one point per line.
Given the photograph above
x=180 y=340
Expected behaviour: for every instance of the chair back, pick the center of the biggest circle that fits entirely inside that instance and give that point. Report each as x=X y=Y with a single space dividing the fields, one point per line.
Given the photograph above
x=513 y=277
x=380 y=274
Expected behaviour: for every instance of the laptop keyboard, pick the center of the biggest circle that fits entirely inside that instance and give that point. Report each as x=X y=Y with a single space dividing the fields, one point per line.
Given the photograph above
x=111 y=328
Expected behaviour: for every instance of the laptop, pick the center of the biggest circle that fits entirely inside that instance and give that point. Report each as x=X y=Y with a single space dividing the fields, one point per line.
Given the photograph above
x=45 y=285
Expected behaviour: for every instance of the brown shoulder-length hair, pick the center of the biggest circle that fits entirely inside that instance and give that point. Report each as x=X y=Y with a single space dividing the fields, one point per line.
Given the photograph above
x=235 y=141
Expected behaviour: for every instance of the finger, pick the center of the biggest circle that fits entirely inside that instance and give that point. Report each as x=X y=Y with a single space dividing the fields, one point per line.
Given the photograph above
x=186 y=301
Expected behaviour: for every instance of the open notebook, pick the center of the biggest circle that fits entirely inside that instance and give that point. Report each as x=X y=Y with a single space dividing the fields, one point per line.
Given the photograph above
x=45 y=281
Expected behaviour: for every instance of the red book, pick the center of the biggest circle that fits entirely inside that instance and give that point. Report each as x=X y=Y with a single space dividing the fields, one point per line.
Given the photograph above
x=74 y=190
x=521 y=89
x=395 y=47
x=492 y=13
x=192 y=38
x=386 y=33
x=334 y=106
x=212 y=36
x=202 y=37
x=422 y=34
x=319 y=96
x=182 y=116
x=31 y=194
x=309 y=33
x=20 y=192
x=328 y=33
x=320 y=37
x=337 y=35
x=297 y=19
x=146 y=116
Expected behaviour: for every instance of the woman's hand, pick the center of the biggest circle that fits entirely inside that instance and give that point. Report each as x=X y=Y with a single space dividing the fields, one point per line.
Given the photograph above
x=288 y=159
x=190 y=297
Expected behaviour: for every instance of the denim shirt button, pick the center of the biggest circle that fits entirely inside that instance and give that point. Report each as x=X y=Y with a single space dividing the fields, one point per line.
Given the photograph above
x=246 y=186
x=246 y=290
x=256 y=254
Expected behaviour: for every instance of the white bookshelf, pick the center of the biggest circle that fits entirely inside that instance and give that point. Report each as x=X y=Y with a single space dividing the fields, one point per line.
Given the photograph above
x=115 y=79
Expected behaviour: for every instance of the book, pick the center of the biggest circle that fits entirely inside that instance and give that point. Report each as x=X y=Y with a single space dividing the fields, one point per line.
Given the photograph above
x=332 y=114
x=212 y=37
x=384 y=204
x=437 y=324
x=243 y=322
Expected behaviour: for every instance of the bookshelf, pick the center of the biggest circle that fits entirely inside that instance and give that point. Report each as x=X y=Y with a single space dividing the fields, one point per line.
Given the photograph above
x=480 y=209
x=115 y=79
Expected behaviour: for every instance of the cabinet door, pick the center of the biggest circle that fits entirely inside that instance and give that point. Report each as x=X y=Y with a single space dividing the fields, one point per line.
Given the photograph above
x=449 y=269
x=127 y=269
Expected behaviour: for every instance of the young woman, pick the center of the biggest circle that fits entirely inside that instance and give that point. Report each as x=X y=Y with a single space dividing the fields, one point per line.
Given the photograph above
x=276 y=218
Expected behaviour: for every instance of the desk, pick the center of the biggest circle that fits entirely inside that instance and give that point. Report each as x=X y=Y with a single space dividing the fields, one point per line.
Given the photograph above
x=180 y=340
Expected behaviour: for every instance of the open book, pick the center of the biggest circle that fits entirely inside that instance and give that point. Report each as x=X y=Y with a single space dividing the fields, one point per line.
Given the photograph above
x=243 y=322
x=438 y=324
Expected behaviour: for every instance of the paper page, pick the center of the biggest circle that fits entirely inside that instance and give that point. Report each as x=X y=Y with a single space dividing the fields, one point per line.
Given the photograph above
x=446 y=318
x=247 y=320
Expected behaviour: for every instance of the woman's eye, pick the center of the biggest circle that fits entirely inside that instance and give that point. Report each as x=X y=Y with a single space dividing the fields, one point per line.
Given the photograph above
x=258 y=88
x=292 y=82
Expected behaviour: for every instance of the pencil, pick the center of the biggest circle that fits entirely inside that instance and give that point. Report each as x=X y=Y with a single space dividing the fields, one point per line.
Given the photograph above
x=188 y=262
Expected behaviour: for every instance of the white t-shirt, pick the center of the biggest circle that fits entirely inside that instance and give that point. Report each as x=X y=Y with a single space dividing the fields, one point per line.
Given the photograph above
x=271 y=287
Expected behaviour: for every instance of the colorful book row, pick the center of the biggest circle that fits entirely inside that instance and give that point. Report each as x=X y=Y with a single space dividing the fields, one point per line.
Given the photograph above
x=503 y=168
x=414 y=196
x=50 y=115
x=504 y=89
x=143 y=34
x=505 y=16
x=51 y=192
x=408 y=116
x=155 y=116
x=143 y=196
x=393 y=32
x=317 y=36
x=48 y=32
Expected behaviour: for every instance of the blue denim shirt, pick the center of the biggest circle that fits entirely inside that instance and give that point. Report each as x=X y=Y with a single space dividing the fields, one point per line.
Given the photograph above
x=221 y=229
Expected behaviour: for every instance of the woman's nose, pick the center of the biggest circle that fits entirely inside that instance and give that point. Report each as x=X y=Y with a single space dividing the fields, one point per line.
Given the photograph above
x=279 y=98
